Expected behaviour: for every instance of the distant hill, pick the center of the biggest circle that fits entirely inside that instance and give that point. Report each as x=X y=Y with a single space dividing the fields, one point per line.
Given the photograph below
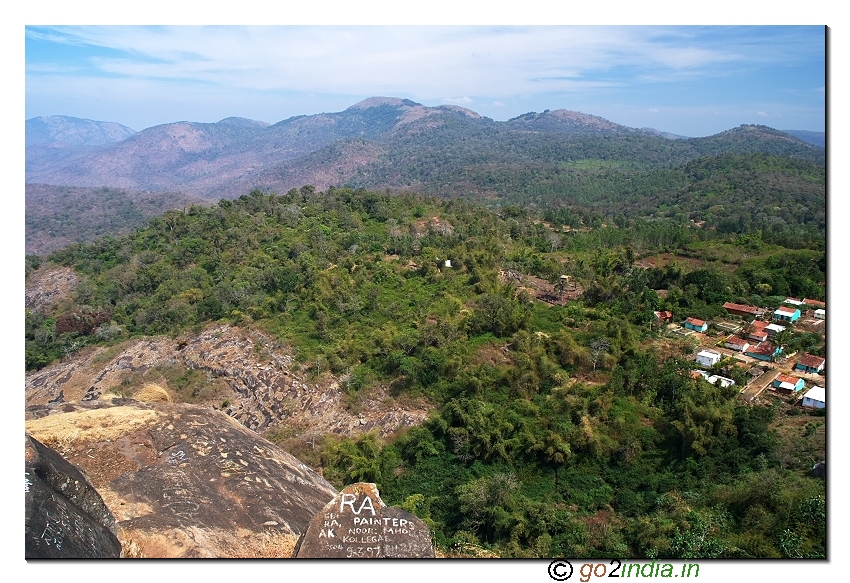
x=57 y=216
x=200 y=157
x=73 y=131
x=668 y=135
x=385 y=142
x=816 y=138
x=568 y=122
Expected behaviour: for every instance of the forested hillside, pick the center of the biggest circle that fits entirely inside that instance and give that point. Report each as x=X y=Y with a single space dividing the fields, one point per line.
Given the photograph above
x=566 y=427
x=464 y=156
x=782 y=196
x=57 y=216
x=386 y=142
x=82 y=183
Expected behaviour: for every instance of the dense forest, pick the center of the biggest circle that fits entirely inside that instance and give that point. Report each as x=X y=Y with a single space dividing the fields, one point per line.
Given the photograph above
x=781 y=196
x=565 y=429
x=466 y=157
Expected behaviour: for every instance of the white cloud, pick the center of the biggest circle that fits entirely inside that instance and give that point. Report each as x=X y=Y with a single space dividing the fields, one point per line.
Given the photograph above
x=653 y=109
x=463 y=99
x=498 y=104
x=424 y=62
x=761 y=114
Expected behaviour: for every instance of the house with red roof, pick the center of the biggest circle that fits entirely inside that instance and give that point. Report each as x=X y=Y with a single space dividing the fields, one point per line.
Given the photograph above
x=743 y=310
x=757 y=335
x=757 y=331
x=787 y=314
x=664 y=315
x=786 y=384
x=737 y=344
x=810 y=363
x=765 y=351
x=696 y=324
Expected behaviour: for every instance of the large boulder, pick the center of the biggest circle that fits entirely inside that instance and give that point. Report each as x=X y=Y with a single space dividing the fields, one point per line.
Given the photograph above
x=65 y=516
x=185 y=481
x=357 y=524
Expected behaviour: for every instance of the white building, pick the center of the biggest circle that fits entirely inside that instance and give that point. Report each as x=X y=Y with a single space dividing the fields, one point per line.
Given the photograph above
x=708 y=357
x=772 y=329
x=713 y=378
x=724 y=382
x=820 y=314
x=815 y=398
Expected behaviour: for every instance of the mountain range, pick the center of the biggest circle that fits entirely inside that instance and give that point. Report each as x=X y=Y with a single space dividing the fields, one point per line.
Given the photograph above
x=381 y=142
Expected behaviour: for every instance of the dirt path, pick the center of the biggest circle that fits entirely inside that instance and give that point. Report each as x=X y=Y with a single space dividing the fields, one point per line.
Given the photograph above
x=757 y=386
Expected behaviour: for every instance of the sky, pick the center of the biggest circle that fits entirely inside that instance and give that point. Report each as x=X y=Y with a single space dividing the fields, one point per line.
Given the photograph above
x=688 y=80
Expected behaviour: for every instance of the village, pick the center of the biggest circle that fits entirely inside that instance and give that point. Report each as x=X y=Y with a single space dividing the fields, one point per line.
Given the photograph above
x=750 y=338
x=755 y=338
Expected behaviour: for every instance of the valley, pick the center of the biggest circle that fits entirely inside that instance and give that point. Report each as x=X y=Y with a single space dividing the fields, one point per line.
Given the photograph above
x=488 y=320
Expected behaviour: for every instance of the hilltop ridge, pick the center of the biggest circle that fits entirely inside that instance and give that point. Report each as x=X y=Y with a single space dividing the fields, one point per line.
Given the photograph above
x=375 y=143
x=74 y=131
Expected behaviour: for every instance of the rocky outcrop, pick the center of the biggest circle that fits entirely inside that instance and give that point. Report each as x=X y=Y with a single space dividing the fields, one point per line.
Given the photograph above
x=184 y=481
x=258 y=385
x=65 y=517
x=357 y=524
x=48 y=287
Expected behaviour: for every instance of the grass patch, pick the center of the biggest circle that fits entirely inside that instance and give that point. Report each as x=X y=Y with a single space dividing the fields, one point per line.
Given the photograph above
x=61 y=432
x=107 y=354
x=152 y=393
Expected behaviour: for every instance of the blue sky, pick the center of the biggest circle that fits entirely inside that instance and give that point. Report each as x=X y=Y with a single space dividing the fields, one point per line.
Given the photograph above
x=689 y=80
